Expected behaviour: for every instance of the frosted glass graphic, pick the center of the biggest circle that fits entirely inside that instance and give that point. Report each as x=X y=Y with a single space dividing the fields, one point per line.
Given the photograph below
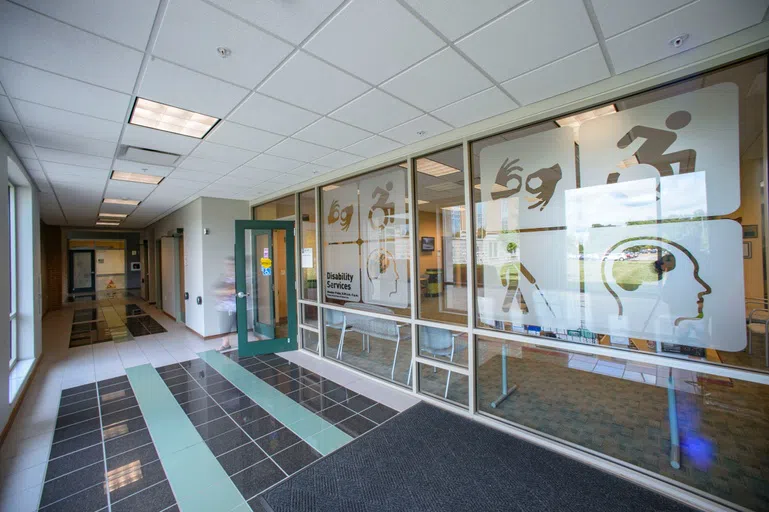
x=81 y=270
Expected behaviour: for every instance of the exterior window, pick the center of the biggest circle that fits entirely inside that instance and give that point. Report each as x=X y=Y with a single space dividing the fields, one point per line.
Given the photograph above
x=13 y=325
x=441 y=236
x=280 y=209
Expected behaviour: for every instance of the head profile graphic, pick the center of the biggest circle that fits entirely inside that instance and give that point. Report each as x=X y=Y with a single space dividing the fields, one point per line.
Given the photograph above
x=382 y=272
x=635 y=269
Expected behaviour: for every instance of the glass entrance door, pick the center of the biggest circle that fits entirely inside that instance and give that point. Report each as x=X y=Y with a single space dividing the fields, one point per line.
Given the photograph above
x=82 y=271
x=266 y=286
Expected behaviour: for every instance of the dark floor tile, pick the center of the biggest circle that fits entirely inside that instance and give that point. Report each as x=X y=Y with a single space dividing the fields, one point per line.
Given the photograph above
x=206 y=415
x=135 y=327
x=188 y=396
x=267 y=373
x=229 y=394
x=336 y=413
x=181 y=379
x=240 y=458
x=184 y=386
x=77 y=417
x=167 y=368
x=293 y=372
x=237 y=404
x=296 y=457
x=79 y=397
x=276 y=441
x=379 y=413
x=78 y=389
x=210 y=379
x=172 y=508
x=121 y=416
x=318 y=403
x=78 y=406
x=76 y=443
x=61 y=434
x=72 y=483
x=114 y=396
x=358 y=403
x=262 y=427
x=114 y=387
x=216 y=428
x=248 y=415
x=127 y=442
x=356 y=425
x=118 y=405
x=194 y=365
x=259 y=504
x=143 y=455
x=284 y=366
x=74 y=461
x=172 y=373
x=112 y=381
x=200 y=404
x=340 y=394
x=136 y=479
x=73 y=343
x=122 y=428
x=302 y=394
x=226 y=442
x=218 y=387
x=253 y=365
x=152 y=499
x=267 y=358
x=253 y=480
x=89 y=500
x=287 y=387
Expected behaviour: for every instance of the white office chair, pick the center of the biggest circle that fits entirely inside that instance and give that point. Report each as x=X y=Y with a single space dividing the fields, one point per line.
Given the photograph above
x=440 y=343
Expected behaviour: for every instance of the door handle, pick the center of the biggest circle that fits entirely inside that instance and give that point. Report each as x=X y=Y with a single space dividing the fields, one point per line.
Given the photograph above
x=242 y=295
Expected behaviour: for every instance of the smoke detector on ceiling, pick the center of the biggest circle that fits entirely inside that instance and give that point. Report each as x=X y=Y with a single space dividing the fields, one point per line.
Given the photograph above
x=224 y=52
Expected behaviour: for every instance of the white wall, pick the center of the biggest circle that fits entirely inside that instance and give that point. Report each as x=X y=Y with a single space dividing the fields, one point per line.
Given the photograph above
x=168 y=260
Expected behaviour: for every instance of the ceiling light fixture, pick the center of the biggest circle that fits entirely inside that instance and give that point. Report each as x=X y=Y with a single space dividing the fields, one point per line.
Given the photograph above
x=129 y=202
x=433 y=168
x=136 y=177
x=496 y=187
x=171 y=119
x=577 y=119
x=106 y=223
x=115 y=215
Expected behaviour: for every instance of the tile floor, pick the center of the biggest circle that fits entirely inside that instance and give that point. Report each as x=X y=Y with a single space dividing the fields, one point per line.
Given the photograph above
x=344 y=407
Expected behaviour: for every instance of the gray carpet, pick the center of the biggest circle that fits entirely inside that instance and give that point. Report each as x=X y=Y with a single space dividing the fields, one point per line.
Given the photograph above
x=427 y=459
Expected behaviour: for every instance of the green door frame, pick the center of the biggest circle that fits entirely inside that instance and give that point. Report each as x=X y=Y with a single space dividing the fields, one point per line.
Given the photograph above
x=246 y=348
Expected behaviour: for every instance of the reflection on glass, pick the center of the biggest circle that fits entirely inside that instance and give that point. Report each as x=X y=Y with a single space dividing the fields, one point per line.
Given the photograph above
x=703 y=430
x=279 y=209
x=631 y=225
x=309 y=315
x=442 y=384
x=442 y=344
x=378 y=346
x=442 y=236
x=366 y=242
x=310 y=340
x=308 y=252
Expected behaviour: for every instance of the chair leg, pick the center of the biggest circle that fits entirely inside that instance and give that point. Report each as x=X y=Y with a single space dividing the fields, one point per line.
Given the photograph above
x=448 y=377
x=397 y=344
x=341 y=342
x=408 y=380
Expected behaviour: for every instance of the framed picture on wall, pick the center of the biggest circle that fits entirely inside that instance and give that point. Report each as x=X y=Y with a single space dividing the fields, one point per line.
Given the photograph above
x=136 y=265
x=747 y=250
x=750 y=231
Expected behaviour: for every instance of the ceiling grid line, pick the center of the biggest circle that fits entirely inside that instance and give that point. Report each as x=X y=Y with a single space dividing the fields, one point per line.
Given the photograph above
x=599 y=34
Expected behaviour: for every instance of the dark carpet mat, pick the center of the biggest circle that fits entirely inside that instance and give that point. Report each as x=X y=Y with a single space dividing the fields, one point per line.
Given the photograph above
x=428 y=459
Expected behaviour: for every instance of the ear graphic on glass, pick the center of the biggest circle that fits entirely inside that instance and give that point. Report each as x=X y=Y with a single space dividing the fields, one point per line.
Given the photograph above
x=540 y=184
x=673 y=276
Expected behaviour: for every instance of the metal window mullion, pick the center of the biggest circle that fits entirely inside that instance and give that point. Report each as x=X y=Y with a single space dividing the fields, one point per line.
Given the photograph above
x=319 y=275
x=412 y=269
x=470 y=277
x=443 y=365
x=298 y=285
x=441 y=325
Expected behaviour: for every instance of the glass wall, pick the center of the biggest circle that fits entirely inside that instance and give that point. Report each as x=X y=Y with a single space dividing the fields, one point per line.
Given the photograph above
x=12 y=330
x=308 y=246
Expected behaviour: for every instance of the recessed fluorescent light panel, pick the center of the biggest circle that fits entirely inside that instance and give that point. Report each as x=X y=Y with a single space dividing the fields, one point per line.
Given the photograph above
x=171 y=119
x=104 y=223
x=136 y=177
x=437 y=169
x=114 y=215
x=129 y=202
x=578 y=119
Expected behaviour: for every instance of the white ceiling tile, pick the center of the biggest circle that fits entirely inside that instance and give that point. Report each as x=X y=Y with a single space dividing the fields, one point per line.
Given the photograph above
x=299 y=150
x=37 y=86
x=273 y=163
x=374 y=39
x=240 y=181
x=127 y=189
x=212 y=166
x=47 y=118
x=616 y=16
x=66 y=157
x=32 y=164
x=244 y=137
x=312 y=84
x=14 y=132
x=376 y=111
x=193 y=30
x=33 y=39
x=173 y=85
x=138 y=167
x=564 y=75
x=149 y=138
x=530 y=36
x=703 y=21
x=228 y=154
x=454 y=18
x=478 y=106
x=407 y=132
x=200 y=176
x=338 y=159
x=259 y=111
x=71 y=143
x=442 y=79
x=288 y=179
x=330 y=133
x=23 y=150
x=57 y=171
x=372 y=146
x=6 y=111
x=311 y=170
x=293 y=21
x=257 y=174
x=171 y=186
x=127 y=22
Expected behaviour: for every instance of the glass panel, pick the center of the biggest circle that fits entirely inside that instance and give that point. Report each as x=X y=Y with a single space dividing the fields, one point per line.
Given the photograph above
x=373 y=345
x=442 y=236
x=443 y=345
x=442 y=384
x=82 y=271
x=280 y=209
x=309 y=315
x=366 y=242
x=309 y=247
x=703 y=430
x=638 y=225
x=310 y=340
x=263 y=299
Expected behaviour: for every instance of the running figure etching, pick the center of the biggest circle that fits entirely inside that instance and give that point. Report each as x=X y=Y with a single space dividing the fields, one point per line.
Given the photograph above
x=382 y=196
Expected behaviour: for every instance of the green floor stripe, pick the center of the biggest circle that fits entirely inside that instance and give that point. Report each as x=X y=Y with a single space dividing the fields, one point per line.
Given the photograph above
x=196 y=477
x=314 y=430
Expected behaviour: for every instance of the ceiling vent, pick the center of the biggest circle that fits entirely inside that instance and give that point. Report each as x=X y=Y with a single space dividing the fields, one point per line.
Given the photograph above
x=150 y=156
